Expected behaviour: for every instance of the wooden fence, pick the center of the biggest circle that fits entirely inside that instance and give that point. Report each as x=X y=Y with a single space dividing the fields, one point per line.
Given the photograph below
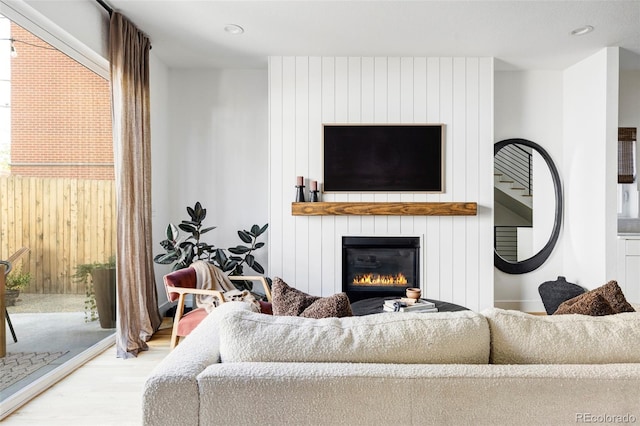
x=64 y=222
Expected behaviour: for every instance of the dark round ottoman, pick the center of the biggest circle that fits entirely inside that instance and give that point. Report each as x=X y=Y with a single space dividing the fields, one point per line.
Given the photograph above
x=374 y=306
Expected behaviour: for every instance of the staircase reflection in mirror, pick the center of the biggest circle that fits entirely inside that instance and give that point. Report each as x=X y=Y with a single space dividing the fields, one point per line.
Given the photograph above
x=528 y=205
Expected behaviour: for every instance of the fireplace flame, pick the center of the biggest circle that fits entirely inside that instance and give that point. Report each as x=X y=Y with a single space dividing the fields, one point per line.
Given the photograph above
x=376 y=279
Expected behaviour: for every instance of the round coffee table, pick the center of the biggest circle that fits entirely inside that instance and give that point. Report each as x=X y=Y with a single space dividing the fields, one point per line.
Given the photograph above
x=374 y=306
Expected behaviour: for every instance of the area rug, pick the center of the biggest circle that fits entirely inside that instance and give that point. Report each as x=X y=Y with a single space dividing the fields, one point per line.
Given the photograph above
x=18 y=365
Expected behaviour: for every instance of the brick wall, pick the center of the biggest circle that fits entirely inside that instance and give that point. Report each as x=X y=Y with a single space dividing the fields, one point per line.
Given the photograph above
x=60 y=114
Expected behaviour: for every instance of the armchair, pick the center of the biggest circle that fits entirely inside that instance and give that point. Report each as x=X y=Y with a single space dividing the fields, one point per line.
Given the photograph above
x=181 y=283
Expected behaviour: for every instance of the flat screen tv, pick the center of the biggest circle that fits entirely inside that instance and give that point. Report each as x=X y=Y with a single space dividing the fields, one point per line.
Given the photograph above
x=383 y=157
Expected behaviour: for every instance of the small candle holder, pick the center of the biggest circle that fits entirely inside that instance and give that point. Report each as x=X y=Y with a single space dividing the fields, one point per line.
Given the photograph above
x=313 y=196
x=300 y=194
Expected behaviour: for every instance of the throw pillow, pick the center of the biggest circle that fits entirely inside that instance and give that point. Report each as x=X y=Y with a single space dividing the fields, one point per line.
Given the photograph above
x=289 y=301
x=591 y=304
x=611 y=292
x=336 y=305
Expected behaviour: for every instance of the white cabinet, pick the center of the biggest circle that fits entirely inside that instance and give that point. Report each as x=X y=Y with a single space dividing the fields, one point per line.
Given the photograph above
x=629 y=267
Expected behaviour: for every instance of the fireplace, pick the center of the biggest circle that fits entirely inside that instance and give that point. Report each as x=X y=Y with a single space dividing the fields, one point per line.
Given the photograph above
x=379 y=266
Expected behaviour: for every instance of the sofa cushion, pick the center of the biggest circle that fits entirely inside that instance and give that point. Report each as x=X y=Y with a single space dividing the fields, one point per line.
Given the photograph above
x=520 y=338
x=191 y=320
x=293 y=302
x=408 y=338
x=611 y=292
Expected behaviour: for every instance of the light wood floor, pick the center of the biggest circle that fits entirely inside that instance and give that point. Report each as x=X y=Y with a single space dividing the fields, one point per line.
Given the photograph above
x=105 y=391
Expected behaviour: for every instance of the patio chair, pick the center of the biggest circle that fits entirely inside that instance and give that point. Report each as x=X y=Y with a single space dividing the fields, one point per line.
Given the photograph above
x=9 y=262
x=181 y=283
x=6 y=313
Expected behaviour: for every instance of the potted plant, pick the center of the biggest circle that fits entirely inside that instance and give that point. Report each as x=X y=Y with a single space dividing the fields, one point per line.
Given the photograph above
x=16 y=281
x=100 y=284
x=182 y=252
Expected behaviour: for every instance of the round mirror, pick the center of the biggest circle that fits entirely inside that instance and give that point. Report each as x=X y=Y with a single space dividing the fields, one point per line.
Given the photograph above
x=526 y=227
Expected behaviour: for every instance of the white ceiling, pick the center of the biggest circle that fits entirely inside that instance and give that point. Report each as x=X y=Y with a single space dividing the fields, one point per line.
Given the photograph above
x=521 y=34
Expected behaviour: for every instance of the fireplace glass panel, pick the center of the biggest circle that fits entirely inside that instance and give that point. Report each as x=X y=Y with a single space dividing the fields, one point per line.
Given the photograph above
x=379 y=266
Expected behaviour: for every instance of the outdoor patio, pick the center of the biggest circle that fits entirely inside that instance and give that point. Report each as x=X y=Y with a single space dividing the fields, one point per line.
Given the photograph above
x=51 y=329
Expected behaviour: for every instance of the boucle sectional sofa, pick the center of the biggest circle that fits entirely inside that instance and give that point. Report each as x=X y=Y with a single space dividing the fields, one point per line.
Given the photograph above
x=458 y=368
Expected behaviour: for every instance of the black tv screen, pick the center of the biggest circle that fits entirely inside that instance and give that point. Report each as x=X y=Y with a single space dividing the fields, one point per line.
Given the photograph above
x=383 y=158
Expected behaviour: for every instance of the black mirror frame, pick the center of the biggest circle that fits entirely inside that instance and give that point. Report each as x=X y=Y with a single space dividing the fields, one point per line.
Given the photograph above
x=539 y=258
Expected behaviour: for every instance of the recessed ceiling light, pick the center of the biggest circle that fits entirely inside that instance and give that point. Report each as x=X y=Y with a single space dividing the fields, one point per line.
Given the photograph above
x=582 y=30
x=234 y=29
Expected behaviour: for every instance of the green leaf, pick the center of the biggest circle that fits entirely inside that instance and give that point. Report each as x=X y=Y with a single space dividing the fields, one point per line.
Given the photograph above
x=258 y=268
x=244 y=236
x=229 y=265
x=221 y=257
x=187 y=249
x=167 y=258
x=239 y=249
x=206 y=247
x=176 y=267
x=238 y=270
x=181 y=259
x=211 y=228
x=200 y=213
x=172 y=232
x=192 y=213
x=186 y=245
x=255 y=229
x=188 y=258
x=259 y=245
x=264 y=228
x=250 y=260
x=187 y=227
x=168 y=245
x=238 y=258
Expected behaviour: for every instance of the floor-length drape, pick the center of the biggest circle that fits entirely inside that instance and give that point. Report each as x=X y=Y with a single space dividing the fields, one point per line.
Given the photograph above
x=138 y=315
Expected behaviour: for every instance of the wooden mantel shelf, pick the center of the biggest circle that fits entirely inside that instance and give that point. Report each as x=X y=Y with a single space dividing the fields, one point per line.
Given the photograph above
x=384 y=209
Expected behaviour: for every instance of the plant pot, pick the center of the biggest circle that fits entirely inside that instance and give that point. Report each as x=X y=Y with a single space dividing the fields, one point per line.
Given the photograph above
x=104 y=287
x=11 y=296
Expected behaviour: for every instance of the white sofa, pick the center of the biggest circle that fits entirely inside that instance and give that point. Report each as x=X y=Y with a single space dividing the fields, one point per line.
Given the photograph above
x=497 y=367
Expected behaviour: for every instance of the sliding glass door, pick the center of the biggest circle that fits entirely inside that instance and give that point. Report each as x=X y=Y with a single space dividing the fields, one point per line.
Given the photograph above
x=57 y=204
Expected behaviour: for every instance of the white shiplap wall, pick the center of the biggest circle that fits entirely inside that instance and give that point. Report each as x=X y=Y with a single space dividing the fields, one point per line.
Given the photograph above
x=304 y=92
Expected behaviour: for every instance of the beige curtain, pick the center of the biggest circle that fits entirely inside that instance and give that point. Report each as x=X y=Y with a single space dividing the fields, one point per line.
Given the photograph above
x=138 y=315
